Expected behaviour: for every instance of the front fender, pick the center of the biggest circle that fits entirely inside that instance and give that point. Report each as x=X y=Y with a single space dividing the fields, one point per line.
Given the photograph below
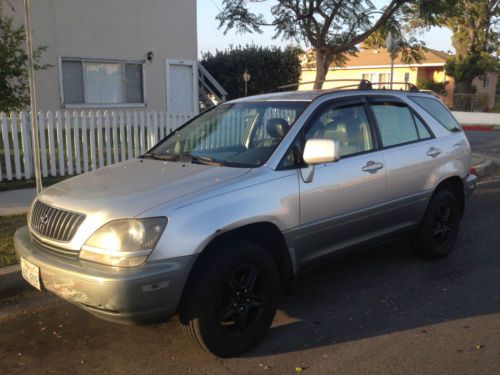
x=191 y=227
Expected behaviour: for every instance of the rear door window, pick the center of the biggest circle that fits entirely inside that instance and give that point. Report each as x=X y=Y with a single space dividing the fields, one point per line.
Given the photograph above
x=396 y=124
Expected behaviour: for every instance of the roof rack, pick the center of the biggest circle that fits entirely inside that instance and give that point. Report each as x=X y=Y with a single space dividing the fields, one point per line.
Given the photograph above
x=362 y=84
x=323 y=81
x=408 y=86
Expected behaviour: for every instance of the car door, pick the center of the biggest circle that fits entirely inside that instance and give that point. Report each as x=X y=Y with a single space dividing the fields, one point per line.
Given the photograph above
x=411 y=154
x=340 y=205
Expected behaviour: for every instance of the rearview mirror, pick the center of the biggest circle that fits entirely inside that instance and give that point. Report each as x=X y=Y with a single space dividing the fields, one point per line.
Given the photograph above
x=319 y=151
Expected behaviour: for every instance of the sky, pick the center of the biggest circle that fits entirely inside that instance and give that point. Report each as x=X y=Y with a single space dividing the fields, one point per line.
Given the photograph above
x=210 y=38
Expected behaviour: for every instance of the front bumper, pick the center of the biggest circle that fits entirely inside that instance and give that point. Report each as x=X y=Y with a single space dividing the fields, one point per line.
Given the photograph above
x=127 y=295
x=469 y=185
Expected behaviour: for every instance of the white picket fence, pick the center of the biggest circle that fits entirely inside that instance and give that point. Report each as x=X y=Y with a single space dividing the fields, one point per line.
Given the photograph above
x=76 y=142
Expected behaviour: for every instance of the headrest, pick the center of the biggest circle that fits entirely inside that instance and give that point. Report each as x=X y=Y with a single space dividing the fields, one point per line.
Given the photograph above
x=277 y=127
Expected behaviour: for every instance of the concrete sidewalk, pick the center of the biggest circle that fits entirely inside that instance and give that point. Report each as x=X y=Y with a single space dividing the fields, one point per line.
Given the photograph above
x=16 y=201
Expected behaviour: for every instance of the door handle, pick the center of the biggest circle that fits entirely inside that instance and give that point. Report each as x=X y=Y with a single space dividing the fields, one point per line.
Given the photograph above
x=372 y=167
x=433 y=152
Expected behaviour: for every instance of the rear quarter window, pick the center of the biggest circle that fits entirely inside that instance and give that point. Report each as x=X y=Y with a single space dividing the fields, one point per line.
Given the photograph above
x=437 y=110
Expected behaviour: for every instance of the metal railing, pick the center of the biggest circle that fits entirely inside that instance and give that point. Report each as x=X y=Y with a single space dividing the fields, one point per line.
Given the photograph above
x=211 y=91
x=476 y=103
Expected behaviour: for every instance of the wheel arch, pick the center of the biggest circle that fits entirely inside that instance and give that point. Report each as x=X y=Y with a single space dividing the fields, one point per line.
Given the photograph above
x=455 y=185
x=265 y=234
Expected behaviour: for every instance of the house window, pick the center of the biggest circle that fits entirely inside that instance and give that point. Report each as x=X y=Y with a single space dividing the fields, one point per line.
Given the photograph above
x=486 y=80
x=384 y=78
x=407 y=77
x=99 y=82
x=372 y=77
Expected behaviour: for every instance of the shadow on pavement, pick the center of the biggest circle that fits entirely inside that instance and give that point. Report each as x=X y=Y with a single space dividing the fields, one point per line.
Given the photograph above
x=388 y=289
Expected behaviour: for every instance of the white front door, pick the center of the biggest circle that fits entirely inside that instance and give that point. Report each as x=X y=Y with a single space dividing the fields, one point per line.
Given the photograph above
x=182 y=92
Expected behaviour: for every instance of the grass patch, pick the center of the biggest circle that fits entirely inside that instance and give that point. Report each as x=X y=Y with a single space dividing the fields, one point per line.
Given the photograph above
x=8 y=226
x=25 y=184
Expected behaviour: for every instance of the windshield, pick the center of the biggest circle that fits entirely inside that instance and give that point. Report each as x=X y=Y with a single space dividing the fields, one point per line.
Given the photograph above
x=237 y=134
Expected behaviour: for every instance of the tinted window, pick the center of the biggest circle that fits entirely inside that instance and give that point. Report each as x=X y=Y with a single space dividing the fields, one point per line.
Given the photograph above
x=423 y=132
x=72 y=77
x=437 y=110
x=395 y=123
x=348 y=125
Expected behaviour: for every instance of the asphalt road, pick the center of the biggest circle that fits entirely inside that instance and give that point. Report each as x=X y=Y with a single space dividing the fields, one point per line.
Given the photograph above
x=486 y=143
x=382 y=311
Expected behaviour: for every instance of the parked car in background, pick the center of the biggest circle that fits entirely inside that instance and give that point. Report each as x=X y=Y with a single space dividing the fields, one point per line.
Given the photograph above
x=219 y=218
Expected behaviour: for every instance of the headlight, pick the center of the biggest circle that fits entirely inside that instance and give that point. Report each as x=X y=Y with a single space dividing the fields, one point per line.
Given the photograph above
x=124 y=243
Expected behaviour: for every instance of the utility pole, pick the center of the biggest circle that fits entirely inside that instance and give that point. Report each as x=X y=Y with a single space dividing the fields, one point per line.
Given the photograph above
x=34 y=111
x=391 y=43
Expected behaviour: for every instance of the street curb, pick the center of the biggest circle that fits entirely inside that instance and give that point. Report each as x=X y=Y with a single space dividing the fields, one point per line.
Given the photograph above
x=480 y=128
x=11 y=281
x=485 y=167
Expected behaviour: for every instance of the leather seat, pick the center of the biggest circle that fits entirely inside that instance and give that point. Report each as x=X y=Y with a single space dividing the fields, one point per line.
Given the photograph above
x=351 y=133
x=276 y=129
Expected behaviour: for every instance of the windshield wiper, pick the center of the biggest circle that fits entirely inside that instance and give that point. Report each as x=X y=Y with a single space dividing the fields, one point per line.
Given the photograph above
x=164 y=157
x=206 y=160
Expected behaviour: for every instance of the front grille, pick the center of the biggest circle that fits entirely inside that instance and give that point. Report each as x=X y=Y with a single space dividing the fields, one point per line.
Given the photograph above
x=51 y=249
x=55 y=223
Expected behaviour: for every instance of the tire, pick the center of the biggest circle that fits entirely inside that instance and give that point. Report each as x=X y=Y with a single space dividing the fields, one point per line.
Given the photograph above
x=232 y=301
x=437 y=233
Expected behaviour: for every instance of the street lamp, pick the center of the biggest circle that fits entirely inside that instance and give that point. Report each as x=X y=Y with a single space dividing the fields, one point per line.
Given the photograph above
x=246 y=78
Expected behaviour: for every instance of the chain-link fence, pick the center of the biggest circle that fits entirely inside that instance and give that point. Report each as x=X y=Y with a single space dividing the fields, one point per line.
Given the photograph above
x=476 y=103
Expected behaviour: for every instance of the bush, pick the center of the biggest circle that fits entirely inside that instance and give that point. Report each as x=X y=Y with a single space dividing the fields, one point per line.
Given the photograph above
x=269 y=68
x=430 y=84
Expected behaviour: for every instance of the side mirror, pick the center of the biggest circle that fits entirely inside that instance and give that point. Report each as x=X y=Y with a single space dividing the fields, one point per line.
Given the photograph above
x=319 y=151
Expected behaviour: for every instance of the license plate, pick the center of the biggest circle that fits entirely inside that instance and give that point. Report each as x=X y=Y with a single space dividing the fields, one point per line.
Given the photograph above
x=31 y=273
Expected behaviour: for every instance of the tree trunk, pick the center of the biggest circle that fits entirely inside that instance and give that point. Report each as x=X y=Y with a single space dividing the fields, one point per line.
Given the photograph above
x=323 y=61
x=464 y=86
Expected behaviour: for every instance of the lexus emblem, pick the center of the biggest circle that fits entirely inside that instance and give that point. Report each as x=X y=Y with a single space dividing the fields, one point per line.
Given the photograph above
x=44 y=219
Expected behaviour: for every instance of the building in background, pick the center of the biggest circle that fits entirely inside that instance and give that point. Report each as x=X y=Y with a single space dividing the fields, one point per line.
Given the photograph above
x=375 y=66
x=116 y=54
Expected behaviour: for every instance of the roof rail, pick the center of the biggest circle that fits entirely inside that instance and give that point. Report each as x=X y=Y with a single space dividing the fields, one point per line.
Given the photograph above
x=323 y=81
x=362 y=84
x=409 y=86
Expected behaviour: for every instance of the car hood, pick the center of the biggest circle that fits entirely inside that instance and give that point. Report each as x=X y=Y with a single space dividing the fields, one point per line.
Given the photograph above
x=126 y=189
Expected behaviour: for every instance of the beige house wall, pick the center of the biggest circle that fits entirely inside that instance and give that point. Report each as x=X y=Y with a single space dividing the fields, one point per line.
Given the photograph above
x=357 y=74
x=415 y=74
x=489 y=89
x=112 y=29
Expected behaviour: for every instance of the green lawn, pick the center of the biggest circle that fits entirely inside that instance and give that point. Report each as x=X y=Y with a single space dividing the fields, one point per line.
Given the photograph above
x=8 y=225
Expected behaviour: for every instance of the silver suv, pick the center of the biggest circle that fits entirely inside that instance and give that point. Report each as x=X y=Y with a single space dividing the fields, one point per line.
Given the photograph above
x=221 y=216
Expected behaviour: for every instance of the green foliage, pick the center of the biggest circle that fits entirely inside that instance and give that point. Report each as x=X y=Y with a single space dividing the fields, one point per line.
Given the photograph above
x=14 y=86
x=430 y=84
x=475 y=36
x=470 y=66
x=333 y=28
x=408 y=47
x=8 y=226
x=269 y=68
